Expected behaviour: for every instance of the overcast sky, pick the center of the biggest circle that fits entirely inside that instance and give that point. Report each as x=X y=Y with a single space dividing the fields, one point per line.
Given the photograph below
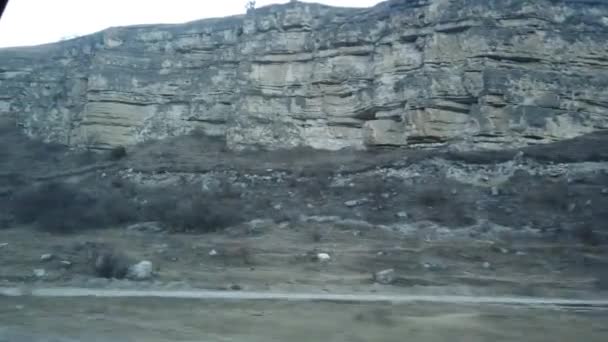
x=30 y=22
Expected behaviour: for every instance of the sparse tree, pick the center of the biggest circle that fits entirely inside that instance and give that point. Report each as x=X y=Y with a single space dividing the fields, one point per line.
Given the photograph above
x=250 y=6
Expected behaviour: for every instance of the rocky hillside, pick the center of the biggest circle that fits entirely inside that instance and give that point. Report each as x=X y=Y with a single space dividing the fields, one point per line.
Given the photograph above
x=474 y=73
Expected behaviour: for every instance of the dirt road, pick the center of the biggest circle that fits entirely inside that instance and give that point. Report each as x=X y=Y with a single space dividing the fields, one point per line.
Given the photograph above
x=71 y=315
x=330 y=297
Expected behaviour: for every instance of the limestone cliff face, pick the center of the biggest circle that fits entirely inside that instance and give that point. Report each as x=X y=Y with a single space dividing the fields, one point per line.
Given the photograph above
x=474 y=73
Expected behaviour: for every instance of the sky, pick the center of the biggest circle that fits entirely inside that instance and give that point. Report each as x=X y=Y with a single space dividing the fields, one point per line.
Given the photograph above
x=31 y=22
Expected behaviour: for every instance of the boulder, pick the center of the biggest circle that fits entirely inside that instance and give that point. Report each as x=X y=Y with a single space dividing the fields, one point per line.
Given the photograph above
x=65 y=263
x=46 y=257
x=355 y=203
x=323 y=257
x=39 y=272
x=402 y=215
x=143 y=270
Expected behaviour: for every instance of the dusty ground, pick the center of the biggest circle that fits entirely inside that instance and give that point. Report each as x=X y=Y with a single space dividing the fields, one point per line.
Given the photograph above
x=267 y=256
x=68 y=320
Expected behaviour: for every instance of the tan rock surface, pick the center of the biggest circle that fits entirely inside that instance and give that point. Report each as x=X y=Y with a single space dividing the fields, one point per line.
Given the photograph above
x=484 y=74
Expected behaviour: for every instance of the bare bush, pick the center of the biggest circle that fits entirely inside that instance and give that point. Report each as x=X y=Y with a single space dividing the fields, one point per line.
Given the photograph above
x=432 y=197
x=237 y=253
x=194 y=211
x=587 y=236
x=118 y=152
x=62 y=207
x=109 y=264
x=549 y=197
x=601 y=281
x=376 y=316
x=439 y=205
x=317 y=235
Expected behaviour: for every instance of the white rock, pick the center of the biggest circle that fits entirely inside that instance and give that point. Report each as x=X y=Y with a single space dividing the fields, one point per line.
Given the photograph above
x=213 y=252
x=402 y=214
x=385 y=277
x=40 y=272
x=258 y=225
x=486 y=265
x=140 y=271
x=4 y=244
x=323 y=257
x=46 y=257
x=355 y=203
x=152 y=226
x=66 y=263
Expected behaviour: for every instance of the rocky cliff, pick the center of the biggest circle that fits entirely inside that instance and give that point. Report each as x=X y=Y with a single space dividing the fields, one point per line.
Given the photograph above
x=473 y=73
